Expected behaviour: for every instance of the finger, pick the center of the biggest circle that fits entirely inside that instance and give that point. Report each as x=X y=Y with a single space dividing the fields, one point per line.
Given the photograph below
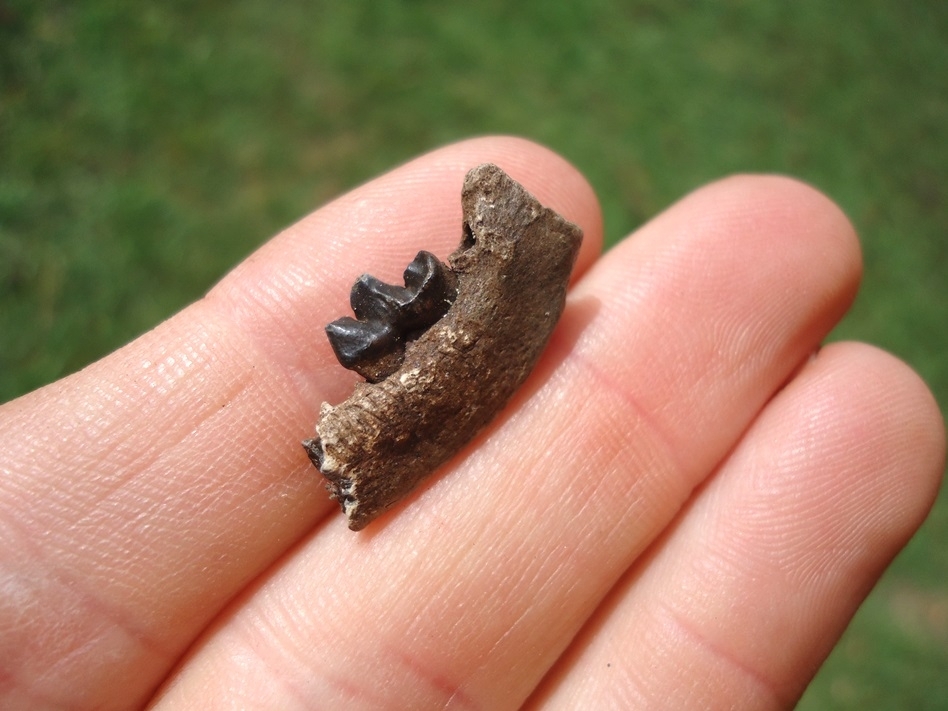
x=669 y=347
x=142 y=493
x=742 y=601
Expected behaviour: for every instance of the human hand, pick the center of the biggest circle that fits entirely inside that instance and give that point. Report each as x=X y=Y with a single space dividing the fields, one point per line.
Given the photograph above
x=681 y=508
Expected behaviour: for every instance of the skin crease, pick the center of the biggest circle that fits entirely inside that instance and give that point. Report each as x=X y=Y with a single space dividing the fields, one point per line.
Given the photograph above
x=682 y=507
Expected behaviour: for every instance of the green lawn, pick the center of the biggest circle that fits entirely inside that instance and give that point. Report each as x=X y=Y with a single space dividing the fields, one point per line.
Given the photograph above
x=145 y=148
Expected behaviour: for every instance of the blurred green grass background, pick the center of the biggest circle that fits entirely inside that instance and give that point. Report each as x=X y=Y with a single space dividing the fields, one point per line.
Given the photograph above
x=145 y=148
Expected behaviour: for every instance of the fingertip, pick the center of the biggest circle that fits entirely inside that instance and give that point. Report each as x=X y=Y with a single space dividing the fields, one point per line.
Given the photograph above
x=893 y=400
x=789 y=208
x=773 y=217
x=783 y=543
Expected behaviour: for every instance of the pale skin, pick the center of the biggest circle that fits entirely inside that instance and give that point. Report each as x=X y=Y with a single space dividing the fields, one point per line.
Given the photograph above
x=681 y=508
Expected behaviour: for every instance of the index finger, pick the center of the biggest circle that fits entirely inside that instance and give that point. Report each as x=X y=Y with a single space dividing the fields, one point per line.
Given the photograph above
x=141 y=494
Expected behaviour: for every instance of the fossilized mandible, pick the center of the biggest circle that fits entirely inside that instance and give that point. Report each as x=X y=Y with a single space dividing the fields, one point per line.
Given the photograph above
x=444 y=353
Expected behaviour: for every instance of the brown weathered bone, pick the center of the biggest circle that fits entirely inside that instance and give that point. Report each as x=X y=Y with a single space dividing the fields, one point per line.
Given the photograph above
x=511 y=272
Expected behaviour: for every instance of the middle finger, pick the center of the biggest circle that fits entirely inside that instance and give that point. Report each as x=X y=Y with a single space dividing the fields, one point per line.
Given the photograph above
x=466 y=596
